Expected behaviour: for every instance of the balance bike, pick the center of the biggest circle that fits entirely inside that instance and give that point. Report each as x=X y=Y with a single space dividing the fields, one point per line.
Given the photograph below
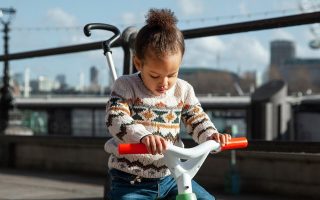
x=184 y=163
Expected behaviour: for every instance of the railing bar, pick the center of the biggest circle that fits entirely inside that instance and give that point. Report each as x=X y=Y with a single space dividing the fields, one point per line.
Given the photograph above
x=57 y=51
x=264 y=24
x=280 y=22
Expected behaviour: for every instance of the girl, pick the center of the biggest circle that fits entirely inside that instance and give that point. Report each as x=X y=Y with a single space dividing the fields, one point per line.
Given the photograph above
x=147 y=107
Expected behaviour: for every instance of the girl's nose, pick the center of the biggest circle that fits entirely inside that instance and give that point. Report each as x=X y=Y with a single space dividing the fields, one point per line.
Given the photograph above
x=164 y=81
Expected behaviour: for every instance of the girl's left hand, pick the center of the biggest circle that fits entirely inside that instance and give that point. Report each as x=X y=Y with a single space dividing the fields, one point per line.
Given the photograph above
x=223 y=139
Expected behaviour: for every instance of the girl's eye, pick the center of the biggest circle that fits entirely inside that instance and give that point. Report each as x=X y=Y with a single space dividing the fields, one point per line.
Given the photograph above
x=154 y=76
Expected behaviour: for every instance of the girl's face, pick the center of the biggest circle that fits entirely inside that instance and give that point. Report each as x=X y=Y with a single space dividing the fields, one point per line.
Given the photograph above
x=159 y=74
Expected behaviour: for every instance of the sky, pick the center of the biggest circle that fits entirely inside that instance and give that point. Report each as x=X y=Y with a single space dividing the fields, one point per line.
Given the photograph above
x=44 y=24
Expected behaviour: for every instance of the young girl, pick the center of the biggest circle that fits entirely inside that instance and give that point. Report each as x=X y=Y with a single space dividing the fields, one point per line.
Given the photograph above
x=147 y=107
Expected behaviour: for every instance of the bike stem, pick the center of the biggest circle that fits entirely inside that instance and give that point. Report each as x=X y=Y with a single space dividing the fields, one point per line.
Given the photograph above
x=185 y=163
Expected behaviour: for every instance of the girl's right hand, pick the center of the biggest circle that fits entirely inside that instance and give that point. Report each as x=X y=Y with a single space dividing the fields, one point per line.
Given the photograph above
x=155 y=144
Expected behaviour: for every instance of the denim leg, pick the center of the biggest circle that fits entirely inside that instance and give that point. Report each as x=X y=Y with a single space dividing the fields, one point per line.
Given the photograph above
x=122 y=189
x=199 y=191
x=167 y=188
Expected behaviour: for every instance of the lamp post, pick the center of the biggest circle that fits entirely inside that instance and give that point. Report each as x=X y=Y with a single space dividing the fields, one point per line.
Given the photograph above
x=6 y=97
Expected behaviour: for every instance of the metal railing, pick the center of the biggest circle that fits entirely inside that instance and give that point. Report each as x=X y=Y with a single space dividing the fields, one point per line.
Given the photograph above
x=256 y=25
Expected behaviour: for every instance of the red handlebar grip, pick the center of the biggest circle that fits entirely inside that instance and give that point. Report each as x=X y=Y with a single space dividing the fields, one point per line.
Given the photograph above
x=137 y=148
x=236 y=143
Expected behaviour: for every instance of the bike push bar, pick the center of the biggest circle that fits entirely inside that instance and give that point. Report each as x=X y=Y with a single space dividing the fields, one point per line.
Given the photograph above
x=106 y=44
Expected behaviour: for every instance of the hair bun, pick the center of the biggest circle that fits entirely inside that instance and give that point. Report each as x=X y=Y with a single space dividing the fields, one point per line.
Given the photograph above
x=163 y=18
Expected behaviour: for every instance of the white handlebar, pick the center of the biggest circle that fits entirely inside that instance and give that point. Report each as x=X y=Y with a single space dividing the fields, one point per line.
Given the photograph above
x=184 y=171
x=184 y=163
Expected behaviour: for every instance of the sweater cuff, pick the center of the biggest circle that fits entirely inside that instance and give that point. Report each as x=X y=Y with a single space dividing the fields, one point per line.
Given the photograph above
x=138 y=134
x=205 y=135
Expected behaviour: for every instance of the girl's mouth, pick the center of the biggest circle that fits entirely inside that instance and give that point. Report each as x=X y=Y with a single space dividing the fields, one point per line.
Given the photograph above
x=161 y=90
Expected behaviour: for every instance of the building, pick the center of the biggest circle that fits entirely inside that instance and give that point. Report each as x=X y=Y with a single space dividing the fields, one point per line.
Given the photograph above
x=94 y=86
x=43 y=85
x=281 y=51
x=216 y=82
x=94 y=76
x=61 y=78
x=301 y=74
x=17 y=84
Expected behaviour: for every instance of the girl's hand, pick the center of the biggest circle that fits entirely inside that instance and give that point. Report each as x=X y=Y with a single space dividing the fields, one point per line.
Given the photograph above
x=223 y=139
x=155 y=144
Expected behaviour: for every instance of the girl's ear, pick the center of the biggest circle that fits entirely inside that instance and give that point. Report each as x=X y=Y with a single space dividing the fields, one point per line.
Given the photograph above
x=137 y=63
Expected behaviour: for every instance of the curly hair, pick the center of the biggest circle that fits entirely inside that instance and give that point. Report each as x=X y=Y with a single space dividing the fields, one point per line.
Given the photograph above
x=160 y=34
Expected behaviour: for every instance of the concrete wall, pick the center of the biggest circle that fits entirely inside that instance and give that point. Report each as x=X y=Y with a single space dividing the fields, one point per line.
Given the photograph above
x=289 y=174
x=68 y=154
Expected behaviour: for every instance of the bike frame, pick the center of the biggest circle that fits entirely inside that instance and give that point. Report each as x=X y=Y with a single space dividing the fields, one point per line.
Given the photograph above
x=184 y=163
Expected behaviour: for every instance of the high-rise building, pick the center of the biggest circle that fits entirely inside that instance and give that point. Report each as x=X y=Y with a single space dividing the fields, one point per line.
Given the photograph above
x=301 y=74
x=94 y=74
x=81 y=82
x=61 y=79
x=45 y=84
x=27 y=88
x=281 y=50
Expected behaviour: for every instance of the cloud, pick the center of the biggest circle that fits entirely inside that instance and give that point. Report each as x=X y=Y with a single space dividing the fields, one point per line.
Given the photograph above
x=190 y=7
x=281 y=34
x=304 y=51
x=248 y=52
x=80 y=39
x=61 y=18
x=203 y=51
x=301 y=40
x=285 y=5
x=243 y=8
x=214 y=52
x=129 y=18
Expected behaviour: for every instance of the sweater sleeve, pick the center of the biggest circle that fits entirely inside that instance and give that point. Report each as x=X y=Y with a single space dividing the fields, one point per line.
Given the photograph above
x=119 y=122
x=197 y=122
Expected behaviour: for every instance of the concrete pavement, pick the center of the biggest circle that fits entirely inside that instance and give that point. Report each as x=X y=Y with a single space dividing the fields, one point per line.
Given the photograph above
x=27 y=185
x=32 y=185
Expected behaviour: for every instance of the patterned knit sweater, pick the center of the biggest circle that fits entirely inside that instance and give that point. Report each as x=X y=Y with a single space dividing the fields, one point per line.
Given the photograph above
x=134 y=112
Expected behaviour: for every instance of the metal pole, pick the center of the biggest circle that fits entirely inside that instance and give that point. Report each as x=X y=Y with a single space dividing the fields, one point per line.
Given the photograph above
x=6 y=99
x=111 y=66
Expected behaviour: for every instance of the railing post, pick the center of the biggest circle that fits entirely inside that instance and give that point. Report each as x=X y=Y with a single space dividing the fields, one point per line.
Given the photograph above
x=128 y=38
x=6 y=96
x=269 y=114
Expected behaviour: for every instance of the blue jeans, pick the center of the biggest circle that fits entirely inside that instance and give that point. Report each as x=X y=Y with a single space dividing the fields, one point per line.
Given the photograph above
x=154 y=188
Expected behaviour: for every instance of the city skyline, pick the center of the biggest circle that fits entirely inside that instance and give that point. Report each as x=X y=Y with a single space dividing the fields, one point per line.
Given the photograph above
x=59 y=23
x=58 y=83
